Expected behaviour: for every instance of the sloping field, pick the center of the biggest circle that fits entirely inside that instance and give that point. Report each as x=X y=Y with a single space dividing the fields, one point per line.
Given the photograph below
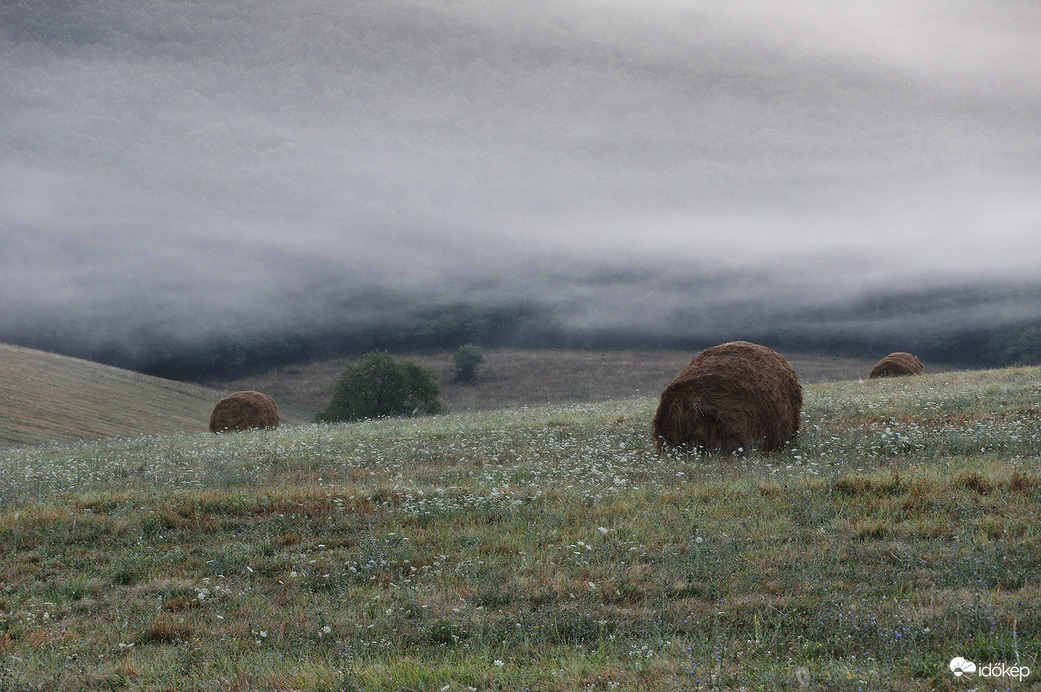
x=45 y=397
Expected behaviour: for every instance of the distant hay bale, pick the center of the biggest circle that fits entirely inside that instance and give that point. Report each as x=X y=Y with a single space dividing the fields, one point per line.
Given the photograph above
x=244 y=411
x=730 y=396
x=897 y=364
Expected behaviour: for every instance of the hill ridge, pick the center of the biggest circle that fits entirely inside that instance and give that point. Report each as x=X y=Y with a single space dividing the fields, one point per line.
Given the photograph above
x=48 y=397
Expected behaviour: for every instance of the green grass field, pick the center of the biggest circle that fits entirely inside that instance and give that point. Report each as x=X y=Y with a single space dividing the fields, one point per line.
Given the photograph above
x=538 y=548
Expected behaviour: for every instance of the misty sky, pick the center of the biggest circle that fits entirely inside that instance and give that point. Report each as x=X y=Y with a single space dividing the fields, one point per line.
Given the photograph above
x=202 y=166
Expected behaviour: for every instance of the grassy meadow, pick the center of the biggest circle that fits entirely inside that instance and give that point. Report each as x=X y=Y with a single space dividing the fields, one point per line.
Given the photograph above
x=537 y=548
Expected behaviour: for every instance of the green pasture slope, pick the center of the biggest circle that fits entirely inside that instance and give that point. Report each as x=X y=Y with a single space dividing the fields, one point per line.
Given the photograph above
x=46 y=397
x=539 y=548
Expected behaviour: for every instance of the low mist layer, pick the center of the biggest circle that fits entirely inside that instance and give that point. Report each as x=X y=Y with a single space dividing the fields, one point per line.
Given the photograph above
x=194 y=172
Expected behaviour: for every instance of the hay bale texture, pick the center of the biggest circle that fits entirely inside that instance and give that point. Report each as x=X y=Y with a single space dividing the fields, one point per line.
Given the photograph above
x=244 y=411
x=897 y=364
x=735 y=395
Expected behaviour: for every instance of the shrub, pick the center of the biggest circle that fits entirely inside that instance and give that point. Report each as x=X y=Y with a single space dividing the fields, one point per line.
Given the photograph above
x=467 y=358
x=379 y=386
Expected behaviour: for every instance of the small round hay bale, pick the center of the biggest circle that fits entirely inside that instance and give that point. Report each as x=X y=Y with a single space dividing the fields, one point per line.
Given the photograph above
x=738 y=394
x=244 y=411
x=897 y=364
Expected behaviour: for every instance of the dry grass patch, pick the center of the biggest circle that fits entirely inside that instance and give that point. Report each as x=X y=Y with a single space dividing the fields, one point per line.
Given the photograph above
x=49 y=398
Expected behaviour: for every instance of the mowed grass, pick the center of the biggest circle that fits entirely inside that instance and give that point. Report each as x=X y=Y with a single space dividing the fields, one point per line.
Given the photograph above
x=46 y=397
x=543 y=548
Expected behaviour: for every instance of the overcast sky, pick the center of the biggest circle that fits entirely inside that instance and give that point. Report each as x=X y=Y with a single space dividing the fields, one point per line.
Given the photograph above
x=205 y=165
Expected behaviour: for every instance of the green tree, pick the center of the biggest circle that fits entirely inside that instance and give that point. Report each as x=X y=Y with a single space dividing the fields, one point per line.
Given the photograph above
x=467 y=358
x=1015 y=346
x=378 y=386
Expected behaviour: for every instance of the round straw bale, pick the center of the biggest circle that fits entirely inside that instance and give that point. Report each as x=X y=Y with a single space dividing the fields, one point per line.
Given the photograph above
x=897 y=364
x=738 y=394
x=244 y=411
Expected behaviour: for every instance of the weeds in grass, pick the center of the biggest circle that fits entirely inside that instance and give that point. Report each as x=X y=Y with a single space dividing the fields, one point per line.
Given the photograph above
x=535 y=548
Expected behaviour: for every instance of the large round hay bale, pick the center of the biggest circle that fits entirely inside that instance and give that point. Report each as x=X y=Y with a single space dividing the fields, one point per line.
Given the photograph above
x=897 y=364
x=244 y=411
x=736 y=395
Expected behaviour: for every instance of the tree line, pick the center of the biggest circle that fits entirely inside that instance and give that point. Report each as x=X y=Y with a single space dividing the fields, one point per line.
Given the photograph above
x=228 y=357
x=236 y=353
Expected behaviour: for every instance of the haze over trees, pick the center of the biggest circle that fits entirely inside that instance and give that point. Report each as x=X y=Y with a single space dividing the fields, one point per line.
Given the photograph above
x=203 y=189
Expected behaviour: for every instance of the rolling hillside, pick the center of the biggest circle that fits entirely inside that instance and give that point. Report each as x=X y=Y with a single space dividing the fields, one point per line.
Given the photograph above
x=511 y=377
x=46 y=397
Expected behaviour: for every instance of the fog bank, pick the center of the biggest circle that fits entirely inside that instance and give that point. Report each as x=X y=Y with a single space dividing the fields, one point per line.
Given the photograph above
x=672 y=168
